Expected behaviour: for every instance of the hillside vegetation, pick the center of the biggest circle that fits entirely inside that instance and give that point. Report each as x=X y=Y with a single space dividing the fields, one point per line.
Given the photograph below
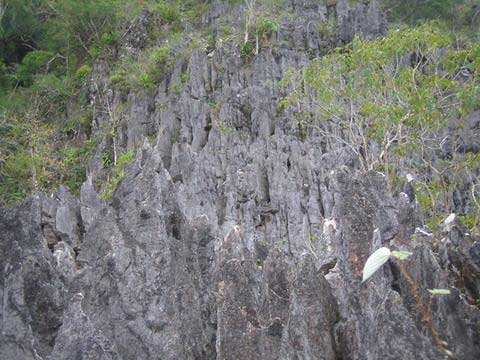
x=47 y=51
x=400 y=102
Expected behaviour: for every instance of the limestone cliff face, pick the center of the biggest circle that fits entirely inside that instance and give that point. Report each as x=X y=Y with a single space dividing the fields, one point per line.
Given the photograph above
x=229 y=236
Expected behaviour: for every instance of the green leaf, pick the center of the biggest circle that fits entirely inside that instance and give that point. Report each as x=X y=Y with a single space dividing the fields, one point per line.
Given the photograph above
x=439 y=291
x=401 y=255
x=375 y=262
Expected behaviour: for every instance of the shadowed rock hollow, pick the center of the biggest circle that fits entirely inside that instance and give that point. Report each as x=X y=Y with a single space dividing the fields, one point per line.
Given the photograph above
x=229 y=236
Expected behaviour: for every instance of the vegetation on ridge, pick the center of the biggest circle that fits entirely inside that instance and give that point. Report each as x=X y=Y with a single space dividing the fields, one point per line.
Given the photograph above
x=383 y=109
x=48 y=49
x=400 y=103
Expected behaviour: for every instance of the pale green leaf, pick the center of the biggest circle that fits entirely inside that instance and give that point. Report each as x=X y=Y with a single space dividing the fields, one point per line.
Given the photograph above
x=375 y=261
x=439 y=291
x=401 y=255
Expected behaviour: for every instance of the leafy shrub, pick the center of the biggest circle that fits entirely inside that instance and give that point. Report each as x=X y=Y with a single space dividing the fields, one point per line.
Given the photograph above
x=109 y=38
x=40 y=146
x=328 y=29
x=82 y=73
x=470 y=220
x=20 y=28
x=392 y=96
x=117 y=174
x=158 y=63
x=247 y=50
x=457 y=14
x=146 y=81
x=415 y=10
x=53 y=92
x=266 y=27
x=15 y=178
x=167 y=12
x=107 y=159
x=6 y=78
x=73 y=160
x=125 y=158
x=81 y=24
x=146 y=71
x=126 y=73
x=33 y=63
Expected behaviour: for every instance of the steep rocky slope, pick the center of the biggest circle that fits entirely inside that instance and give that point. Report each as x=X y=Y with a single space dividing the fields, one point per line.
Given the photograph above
x=229 y=236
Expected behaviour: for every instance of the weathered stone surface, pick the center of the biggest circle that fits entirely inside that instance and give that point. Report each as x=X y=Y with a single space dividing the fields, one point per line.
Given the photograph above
x=32 y=286
x=231 y=236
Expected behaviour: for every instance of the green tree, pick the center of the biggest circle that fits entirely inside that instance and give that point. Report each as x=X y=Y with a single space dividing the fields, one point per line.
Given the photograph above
x=391 y=97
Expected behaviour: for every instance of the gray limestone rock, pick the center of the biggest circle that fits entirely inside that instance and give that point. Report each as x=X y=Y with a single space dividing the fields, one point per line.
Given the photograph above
x=230 y=235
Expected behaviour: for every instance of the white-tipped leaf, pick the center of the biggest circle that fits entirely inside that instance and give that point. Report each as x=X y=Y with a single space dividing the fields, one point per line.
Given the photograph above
x=401 y=255
x=375 y=262
x=439 y=291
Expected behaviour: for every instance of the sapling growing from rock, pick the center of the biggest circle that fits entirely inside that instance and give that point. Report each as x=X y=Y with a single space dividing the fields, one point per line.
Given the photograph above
x=379 y=258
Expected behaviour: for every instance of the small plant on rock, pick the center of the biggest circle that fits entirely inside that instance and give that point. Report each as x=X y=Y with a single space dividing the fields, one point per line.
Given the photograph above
x=117 y=174
x=378 y=259
x=246 y=50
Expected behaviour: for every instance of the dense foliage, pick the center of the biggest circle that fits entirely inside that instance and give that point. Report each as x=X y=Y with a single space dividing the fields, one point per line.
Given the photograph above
x=46 y=47
x=47 y=51
x=465 y=12
x=399 y=103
